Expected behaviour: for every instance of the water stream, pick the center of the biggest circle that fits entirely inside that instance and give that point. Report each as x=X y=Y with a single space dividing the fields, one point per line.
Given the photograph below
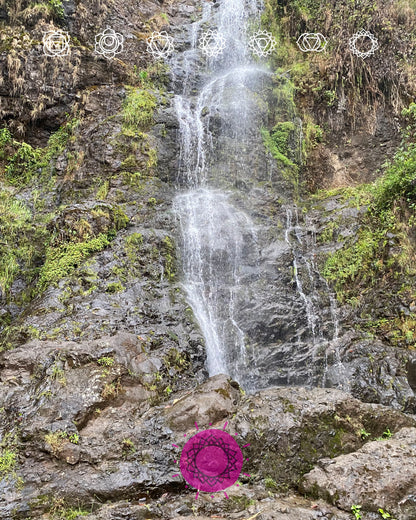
x=256 y=328
x=216 y=236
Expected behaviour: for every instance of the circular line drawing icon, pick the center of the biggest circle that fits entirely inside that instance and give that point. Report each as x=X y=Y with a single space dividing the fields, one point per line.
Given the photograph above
x=109 y=43
x=360 y=37
x=56 y=43
x=212 y=43
x=262 y=43
x=211 y=460
x=312 y=42
x=160 y=44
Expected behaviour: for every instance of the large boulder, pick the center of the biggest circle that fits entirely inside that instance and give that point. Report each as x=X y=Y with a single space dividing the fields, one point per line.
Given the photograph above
x=382 y=474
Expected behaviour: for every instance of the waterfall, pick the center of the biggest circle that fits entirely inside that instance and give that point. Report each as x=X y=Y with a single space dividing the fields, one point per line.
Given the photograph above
x=248 y=268
x=218 y=239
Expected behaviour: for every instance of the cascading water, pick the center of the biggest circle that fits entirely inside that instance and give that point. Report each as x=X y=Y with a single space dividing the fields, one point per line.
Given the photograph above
x=218 y=239
x=247 y=271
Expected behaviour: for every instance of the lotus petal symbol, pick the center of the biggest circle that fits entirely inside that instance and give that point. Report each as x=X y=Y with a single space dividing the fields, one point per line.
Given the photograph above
x=56 y=43
x=360 y=37
x=262 y=43
x=160 y=44
x=211 y=460
x=109 y=43
x=312 y=42
x=212 y=43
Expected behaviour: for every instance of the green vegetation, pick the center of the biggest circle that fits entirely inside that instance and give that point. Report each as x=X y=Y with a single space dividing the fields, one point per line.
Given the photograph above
x=385 y=515
x=56 y=8
x=115 y=287
x=8 y=459
x=23 y=232
x=63 y=259
x=22 y=161
x=15 y=221
x=128 y=448
x=385 y=435
x=271 y=484
x=21 y=165
x=58 y=509
x=106 y=361
x=111 y=390
x=277 y=141
x=138 y=108
x=57 y=440
x=169 y=252
x=356 y=511
x=58 y=373
x=102 y=191
x=382 y=254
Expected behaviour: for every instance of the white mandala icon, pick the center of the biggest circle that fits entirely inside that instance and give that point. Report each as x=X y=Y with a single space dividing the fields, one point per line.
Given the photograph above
x=360 y=37
x=262 y=43
x=312 y=42
x=56 y=43
x=212 y=43
x=160 y=44
x=109 y=43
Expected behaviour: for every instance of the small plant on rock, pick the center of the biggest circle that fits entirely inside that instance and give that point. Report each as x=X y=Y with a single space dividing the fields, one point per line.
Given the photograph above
x=356 y=511
x=364 y=434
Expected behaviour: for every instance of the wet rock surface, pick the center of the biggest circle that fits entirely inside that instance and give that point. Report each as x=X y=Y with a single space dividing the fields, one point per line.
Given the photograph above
x=92 y=432
x=379 y=475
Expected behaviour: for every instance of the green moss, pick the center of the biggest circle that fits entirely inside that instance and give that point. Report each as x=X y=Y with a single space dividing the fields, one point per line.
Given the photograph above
x=21 y=165
x=366 y=258
x=22 y=240
x=129 y=163
x=115 y=287
x=56 y=8
x=132 y=243
x=120 y=219
x=8 y=459
x=138 y=108
x=5 y=141
x=106 y=361
x=8 y=456
x=62 y=260
x=277 y=142
x=169 y=253
x=102 y=191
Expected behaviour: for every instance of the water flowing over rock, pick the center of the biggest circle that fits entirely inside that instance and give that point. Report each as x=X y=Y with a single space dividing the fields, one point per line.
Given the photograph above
x=242 y=275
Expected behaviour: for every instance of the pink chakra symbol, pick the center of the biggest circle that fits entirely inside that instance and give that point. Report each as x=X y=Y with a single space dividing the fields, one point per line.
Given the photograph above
x=211 y=460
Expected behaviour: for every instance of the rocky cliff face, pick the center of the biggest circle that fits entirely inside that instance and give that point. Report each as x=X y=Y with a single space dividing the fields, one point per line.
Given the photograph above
x=103 y=363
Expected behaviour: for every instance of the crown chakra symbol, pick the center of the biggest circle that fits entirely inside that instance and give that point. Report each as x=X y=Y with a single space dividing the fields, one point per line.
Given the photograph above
x=362 y=38
x=212 y=43
x=109 y=43
x=56 y=43
x=262 y=43
x=312 y=42
x=160 y=45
